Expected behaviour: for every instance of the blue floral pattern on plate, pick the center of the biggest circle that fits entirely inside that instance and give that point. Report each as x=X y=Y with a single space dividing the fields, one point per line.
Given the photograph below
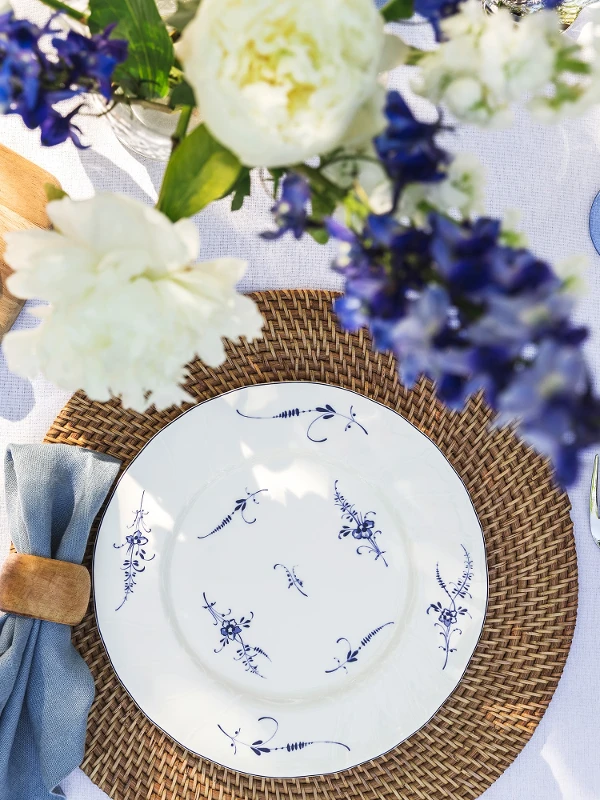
x=136 y=553
x=325 y=412
x=352 y=654
x=360 y=527
x=293 y=579
x=449 y=611
x=260 y=746
x=231 y=631
x=240 y=506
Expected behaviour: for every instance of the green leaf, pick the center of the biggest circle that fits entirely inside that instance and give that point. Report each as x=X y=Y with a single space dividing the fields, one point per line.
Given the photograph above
x=54 y=192
x=186 y=11
x=182 y=95
x=574 y=65
x=241 y=190
x=146 y=71
x=323 y=205
x=320 y=235
x=397 y=9
x=199 y=171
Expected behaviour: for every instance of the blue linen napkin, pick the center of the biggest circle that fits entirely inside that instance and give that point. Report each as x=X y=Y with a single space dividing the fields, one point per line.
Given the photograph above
x=53 y=493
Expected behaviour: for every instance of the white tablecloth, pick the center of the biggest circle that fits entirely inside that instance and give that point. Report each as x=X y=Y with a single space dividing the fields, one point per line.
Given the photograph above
x=551 y=175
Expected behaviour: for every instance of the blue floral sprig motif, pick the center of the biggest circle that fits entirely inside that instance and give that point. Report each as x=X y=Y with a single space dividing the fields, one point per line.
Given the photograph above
x=240 y=506
x=136 y=553
x=325 y=412
x=360 y=528
x=449 y=611
x=231 y=631
x=293 y=579
x=352 y=654
x=260 y=746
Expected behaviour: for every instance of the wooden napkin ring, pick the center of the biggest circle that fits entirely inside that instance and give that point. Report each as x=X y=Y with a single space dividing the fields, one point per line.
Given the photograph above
x=44 y=588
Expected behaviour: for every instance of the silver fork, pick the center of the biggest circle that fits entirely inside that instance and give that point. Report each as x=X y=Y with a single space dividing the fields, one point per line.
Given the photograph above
x=594 y=517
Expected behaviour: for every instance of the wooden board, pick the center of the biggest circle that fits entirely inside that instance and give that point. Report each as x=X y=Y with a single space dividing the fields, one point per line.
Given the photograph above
x=22 y=206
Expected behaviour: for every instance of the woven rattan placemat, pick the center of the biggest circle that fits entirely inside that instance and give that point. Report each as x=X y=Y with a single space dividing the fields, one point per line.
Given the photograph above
x=532 y=593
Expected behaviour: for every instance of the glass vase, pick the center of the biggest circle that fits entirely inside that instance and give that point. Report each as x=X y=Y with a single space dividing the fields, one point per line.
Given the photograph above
x=144 y=128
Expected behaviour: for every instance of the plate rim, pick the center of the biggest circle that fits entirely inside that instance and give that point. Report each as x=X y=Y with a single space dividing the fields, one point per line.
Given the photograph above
x=113 y=491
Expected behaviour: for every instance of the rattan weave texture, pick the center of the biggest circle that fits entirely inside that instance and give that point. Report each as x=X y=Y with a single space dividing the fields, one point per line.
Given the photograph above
x=532 y=593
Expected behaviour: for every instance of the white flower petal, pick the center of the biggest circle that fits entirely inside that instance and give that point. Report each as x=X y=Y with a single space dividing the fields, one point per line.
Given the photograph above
x=128 y=307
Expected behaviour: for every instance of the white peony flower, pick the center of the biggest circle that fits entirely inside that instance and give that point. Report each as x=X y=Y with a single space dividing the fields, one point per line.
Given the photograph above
x=489 y=61
x=280 y=81
x=128 y=308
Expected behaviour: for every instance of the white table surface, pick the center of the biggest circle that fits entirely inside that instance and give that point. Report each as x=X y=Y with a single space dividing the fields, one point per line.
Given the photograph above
x=551 y=174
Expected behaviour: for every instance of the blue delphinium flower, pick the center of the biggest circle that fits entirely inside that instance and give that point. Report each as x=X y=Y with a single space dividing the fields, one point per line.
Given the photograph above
x=31 y=83
x=55 y=128
x=407 y=148
x=92 y=60
x=552 y=400
x=291 y=210
x=455 y=304
x=435 y=11
x=381 y=268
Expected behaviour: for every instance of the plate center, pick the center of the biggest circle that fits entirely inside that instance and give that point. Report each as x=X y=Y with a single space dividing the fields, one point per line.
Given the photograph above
x=250 y=574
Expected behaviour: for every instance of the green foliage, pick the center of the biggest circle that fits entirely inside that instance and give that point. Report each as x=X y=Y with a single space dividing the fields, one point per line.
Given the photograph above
x=320 y=235
x=200 y=171
x=54 y=192
x=182 y=95
x=397 y=9
x=323 y=204
x=146 y=72
x=186 y=11
x=241 y=190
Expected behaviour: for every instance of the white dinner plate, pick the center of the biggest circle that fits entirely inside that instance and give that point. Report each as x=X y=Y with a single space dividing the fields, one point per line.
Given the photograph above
x=290 y=579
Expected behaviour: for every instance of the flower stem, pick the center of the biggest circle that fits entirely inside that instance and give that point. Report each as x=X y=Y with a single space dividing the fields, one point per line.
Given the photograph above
x=182 y=126
x=80 y=16
x=319 y=181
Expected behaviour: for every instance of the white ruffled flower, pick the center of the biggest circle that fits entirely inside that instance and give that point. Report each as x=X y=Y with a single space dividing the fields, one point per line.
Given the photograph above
x=573 y=271
x=128 y=307
x=460 y=194
x=575 y=83
x=489 y=61
x=360 y=167
x=510 y=235
x=280 y=81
